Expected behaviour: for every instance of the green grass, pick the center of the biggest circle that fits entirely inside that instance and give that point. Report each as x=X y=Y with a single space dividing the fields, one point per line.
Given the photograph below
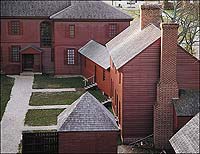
x=61 y=98
x=134 y=13
x=48 y=82
x=45 y=117
x=98 y=95
x=6 y=87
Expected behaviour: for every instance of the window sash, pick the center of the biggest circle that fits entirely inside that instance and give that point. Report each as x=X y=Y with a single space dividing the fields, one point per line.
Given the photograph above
x=71 y=31
x=45 y=34
x=15 y=27
x=70 y=56
x=112 y=30
x=15 y=53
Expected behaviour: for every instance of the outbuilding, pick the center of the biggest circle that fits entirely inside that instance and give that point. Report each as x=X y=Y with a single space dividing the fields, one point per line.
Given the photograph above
x=87 y=126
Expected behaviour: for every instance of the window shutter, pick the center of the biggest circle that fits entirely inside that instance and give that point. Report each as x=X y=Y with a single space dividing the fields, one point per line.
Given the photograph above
x=65 y=57
x=75 y=57
x=66 y=31
x=107 y=30
x=117 y=29
x=10 y=54
x=21 y=28
x=9 y=27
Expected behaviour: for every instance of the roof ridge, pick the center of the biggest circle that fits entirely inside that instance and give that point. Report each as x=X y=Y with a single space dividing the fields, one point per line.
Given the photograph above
x=105 y=110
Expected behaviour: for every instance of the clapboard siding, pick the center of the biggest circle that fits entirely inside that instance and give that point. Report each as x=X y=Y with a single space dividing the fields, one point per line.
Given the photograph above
x=187 y=70
x=139 y=92
x=88 y=70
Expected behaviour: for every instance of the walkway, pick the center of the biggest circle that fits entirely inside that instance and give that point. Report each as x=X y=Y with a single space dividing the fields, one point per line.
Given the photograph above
x=49 y=107
x=13 y=119
x=54 y=90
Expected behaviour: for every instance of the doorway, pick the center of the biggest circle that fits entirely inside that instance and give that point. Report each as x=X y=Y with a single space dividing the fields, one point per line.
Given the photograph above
x=28 y=61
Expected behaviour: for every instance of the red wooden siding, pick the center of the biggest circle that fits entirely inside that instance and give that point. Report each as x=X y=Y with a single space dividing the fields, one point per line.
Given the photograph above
x=84 y=32
x=117 y=94
x=140 y=77
x=89 y=71
x=187 y=70
x=88 y=142
x=180 y=121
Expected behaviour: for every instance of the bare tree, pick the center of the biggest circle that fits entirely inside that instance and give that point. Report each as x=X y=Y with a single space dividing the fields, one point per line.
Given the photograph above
x=188 y=18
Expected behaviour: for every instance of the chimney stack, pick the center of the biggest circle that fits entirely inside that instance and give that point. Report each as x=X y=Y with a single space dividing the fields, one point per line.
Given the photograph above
x=167 y=88
x=150 y=13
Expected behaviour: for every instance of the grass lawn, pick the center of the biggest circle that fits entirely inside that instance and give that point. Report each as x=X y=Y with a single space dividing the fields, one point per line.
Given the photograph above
x=134 y=13
x=6 y=87
x=45 y=117
x=61 y=98
x=48 y=81
x=98 y=94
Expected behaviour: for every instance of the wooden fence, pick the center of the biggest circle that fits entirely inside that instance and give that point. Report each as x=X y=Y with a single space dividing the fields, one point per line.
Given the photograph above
x=40 y=142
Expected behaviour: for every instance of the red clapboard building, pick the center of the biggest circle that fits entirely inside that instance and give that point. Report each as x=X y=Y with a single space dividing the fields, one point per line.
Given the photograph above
x=148 y=76
x=50 y=33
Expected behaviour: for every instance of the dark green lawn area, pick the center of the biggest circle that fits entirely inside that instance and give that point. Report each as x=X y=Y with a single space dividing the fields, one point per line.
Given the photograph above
x=61 y=98
x=98 y=94
x=48 y=81
x=6 y=87
x=45 y=117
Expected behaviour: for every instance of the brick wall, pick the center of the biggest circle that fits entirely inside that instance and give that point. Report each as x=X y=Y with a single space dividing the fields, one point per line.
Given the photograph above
x=167 y=87
x=88 y=142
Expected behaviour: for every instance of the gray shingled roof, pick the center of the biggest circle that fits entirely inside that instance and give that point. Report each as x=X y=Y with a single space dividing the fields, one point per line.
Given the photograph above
x=188 y=103
x=86 y=114
x=39 y=8
x=130 y=42
x=186 y=140
x=91 y=10
x=97 y=53
x=33 y=47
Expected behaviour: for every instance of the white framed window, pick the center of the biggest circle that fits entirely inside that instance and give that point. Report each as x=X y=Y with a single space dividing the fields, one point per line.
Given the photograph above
x=70 y=57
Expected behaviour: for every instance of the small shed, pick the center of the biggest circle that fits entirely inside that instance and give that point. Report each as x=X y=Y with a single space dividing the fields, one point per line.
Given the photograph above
x=86 y=126
x=186 y=140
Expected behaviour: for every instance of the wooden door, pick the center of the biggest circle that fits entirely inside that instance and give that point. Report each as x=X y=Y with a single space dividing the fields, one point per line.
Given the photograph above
x=28 y=61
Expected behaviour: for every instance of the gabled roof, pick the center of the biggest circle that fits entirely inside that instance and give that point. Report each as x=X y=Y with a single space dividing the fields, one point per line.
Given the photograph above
x=186 y=140
x=96 y=53
x=86 y=114
x=33 y=47
x=130 y=42
x=30 y=8
x=188 y=103
x=90 y=10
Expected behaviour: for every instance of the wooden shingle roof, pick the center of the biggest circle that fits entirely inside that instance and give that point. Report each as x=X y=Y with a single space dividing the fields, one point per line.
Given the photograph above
x=188 y=103
x=186 y=140
x=91 y=10
x=86 y=114
x=96 y=53
x=130 y=42
x=31 y=8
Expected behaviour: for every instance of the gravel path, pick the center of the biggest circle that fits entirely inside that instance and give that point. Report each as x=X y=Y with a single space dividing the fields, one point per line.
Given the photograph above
x=49 y=107
x=54 y=90
x=53 y=127
x=13 y=119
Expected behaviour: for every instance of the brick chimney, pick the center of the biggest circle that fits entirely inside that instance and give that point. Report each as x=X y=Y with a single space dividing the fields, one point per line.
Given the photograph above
x=150 y=13
x=167 y=88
